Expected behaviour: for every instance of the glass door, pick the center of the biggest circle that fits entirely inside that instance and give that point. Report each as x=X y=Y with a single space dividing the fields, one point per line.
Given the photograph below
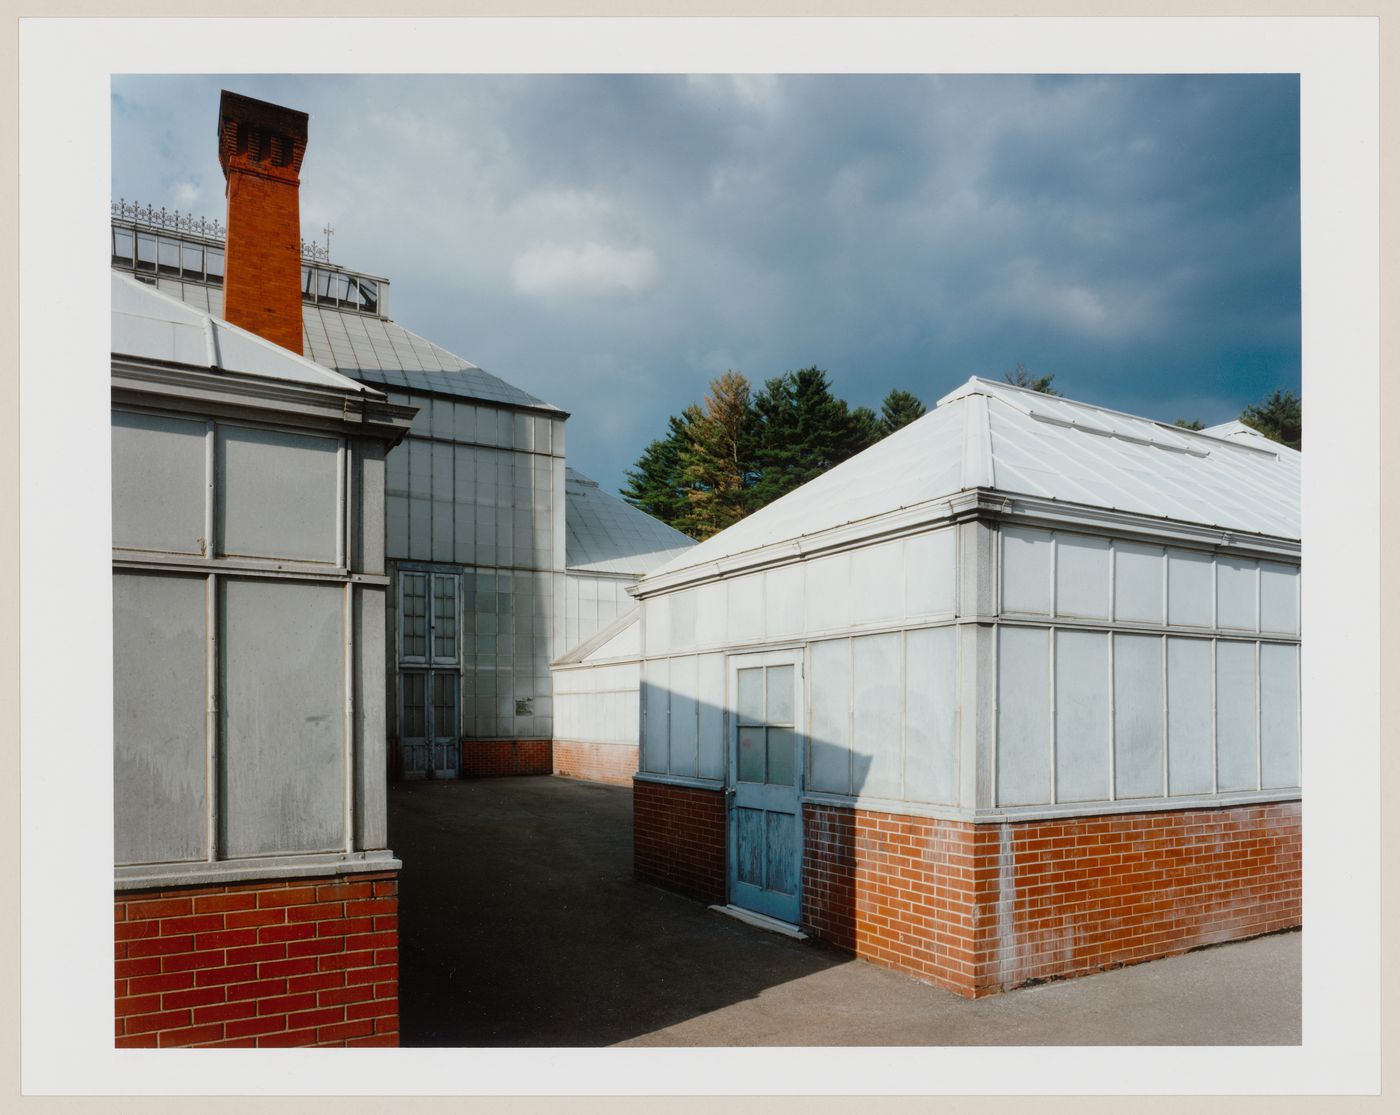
x=429 y=674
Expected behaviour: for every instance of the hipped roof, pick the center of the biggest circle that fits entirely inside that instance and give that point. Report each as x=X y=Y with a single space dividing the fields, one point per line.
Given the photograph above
x=604 y=534
x=995 y=437
x=379 y=351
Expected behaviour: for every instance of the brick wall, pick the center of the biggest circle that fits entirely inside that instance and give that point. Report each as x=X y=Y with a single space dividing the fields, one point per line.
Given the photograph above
x=980 y=908
x=491 y=758
x=276 y=963
x=596 y=762
x=679 y=839
x=893 y=889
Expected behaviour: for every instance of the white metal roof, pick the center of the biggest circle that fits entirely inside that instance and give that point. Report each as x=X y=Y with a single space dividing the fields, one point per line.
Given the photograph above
x=1246 y=433
x=378 y=350
x=150 y=325
x=604 y=534
x=997 y=437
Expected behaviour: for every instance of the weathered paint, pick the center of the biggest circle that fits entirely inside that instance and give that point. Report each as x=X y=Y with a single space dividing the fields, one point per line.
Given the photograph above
x=159 y=483
x=279 y=495
x=158 y=657
x=283 y=717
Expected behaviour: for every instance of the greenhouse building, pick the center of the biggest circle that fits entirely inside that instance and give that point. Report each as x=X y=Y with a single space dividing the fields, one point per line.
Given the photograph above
x=1013 y=694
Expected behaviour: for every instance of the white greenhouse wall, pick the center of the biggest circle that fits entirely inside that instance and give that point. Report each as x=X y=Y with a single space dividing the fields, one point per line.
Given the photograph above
x=885 y=585
x=477 y=491
x=233 y=724
x=592 y=602
x=598 y=704
x=1115 y=712
x=882 y=683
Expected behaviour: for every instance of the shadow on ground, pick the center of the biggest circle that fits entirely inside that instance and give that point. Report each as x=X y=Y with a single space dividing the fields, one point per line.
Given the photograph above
x=521 y=925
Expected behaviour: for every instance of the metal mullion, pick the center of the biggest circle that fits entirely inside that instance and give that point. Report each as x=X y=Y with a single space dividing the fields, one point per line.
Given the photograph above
x=348 y=618
x=1054 y=726
x=211 y=723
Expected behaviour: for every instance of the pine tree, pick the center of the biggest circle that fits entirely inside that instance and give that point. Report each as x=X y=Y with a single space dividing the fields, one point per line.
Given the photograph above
x=802 y=430
x=716 y=463
x=655 y=485
x=898 y=410
x=1279 y=418
x=1194 y=424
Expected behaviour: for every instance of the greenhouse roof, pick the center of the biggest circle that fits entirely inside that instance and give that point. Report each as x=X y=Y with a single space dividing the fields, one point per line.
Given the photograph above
x=995 y=437
x=150 y=325
x=606 y=535
x=384 y=353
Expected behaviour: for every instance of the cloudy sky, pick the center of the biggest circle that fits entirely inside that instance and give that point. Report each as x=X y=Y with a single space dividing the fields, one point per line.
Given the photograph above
x=612 y=243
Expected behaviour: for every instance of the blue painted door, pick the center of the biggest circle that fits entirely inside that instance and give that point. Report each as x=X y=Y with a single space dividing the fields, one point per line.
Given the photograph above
x=764 y=782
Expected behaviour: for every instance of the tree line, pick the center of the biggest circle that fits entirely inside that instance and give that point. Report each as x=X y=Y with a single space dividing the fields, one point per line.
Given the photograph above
x=738 y=450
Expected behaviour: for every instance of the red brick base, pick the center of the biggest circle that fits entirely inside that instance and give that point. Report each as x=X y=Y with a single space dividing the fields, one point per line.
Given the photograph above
x=274 y=963
x=678 y=839
x=596 y=762
x=492 y=758
x=981 y=908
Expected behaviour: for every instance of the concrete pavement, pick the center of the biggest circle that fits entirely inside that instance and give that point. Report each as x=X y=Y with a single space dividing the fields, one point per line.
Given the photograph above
x=521 y=925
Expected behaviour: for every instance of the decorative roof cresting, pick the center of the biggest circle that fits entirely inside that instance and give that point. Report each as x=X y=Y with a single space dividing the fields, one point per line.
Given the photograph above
x=172 y=220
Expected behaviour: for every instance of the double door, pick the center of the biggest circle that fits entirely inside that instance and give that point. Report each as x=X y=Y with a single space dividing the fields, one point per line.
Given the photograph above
x=430 y=674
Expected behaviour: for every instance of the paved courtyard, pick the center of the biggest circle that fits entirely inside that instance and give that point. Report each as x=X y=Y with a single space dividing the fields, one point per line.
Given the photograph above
x=521 y=925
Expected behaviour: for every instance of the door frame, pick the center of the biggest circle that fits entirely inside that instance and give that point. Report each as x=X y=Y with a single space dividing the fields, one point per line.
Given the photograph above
x=444 y=755
x=794 y=656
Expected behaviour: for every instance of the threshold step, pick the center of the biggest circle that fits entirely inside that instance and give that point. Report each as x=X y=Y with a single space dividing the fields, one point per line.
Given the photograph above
x=762 y=921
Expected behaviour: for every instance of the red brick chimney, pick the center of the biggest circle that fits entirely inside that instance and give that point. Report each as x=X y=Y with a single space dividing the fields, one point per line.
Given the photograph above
x=260 y=149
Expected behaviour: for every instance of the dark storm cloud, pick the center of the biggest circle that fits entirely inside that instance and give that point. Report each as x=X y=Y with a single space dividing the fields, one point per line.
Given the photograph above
x=611 y=243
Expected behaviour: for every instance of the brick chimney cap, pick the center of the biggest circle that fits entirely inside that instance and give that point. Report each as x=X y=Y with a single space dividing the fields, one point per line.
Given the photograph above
x=259 y=137
x=240 y=108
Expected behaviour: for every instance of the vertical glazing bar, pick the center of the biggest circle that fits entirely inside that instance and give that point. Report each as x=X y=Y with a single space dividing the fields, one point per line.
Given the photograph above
x=1259 y=719
x=209 y=491
x=211 y=717
x=1054 y=727
x=348 y=502
x=341 y=515
x=1214 y=716
x=1166 y=720
x=348 y=614
x=1112 y=651
x=1112 y=710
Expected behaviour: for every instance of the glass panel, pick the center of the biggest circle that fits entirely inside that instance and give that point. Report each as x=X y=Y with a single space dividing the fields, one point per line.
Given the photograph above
x=781 y=753
x=122 y=244
x=145 y=251
x=750 y=754
x=214 y=263
x=415 y=615
x=323 y=284
x=369 y=296
x=751 y=696
x=306 y=280
x=412 y=706
x=169 y=252
x=192 y=260
x=779 y=695
x=445 y=617
x=445 y=706
x=342 y=288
